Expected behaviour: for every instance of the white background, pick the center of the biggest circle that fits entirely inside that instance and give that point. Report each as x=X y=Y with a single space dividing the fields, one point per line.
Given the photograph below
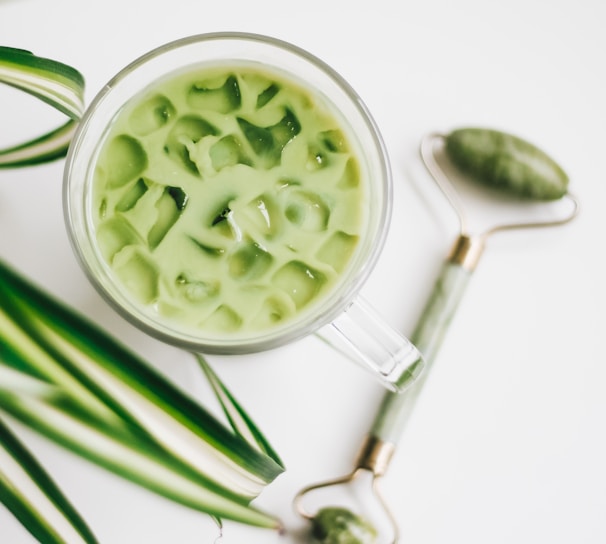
x=507 y=442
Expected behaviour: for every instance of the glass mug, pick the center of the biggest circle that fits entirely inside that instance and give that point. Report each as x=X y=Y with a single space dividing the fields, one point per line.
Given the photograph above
x=256 y=244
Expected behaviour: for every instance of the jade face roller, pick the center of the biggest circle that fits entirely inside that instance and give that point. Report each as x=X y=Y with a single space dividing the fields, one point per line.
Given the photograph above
x=495 y=159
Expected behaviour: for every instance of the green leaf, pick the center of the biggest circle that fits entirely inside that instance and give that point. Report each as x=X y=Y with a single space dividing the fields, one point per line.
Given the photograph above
x=238 y=418
x=56 y=84
x=32 y=496
x=128 y=455
x=104 y=403
x=93 y=358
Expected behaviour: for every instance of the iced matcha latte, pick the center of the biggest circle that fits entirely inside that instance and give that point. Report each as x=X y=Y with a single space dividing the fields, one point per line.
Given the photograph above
x=228 y=200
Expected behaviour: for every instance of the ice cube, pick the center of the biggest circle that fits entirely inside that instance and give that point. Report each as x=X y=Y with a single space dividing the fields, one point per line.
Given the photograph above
x=223 y=319
x=222 y=99
x=250 y=261
x=269 y=142
x=228 y=151
x=301 y=282
x=333 y=140
x=307 y=210
x=207 y=249
x=114 y=234
x=273 y=310
x=263 y=215
x=130 y=198
x=169 y=207
x=196 y=290
x=138 y=274
x=127 y=160
x=267 y=94
x=152 y=115
x=337 y=250
x=188 y=130
x=351 y=175
x=316 y=159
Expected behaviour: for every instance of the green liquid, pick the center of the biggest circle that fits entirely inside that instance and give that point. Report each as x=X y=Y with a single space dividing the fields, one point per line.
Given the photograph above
x=228 y=201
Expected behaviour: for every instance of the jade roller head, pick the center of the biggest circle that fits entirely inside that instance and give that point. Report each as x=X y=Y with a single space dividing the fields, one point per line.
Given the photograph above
x=336 y=525
x=511 y=166
x=506 y=162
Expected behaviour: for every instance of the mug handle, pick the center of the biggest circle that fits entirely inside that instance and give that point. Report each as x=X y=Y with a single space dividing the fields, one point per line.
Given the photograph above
x=362 y=336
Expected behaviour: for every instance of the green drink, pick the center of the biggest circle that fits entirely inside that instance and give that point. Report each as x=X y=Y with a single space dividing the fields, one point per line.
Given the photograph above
x=230 y=193
x=228 y=200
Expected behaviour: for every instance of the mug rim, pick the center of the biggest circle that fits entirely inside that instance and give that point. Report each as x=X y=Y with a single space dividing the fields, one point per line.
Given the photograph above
x=266 y=339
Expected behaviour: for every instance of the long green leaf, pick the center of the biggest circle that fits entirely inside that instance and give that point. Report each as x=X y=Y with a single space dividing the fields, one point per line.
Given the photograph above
x=237 y=416
x=56 y=84
x=118 y=377
x=56 y=412
x=17 y=350
x=32 y=496
x=157 y=420
x=48 y=147
x=128 y=456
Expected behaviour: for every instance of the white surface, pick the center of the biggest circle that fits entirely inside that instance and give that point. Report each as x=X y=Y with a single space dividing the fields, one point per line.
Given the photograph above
x=507 y=442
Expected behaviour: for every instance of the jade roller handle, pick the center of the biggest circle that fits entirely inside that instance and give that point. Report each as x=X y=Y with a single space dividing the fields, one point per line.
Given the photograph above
x=396 y=408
